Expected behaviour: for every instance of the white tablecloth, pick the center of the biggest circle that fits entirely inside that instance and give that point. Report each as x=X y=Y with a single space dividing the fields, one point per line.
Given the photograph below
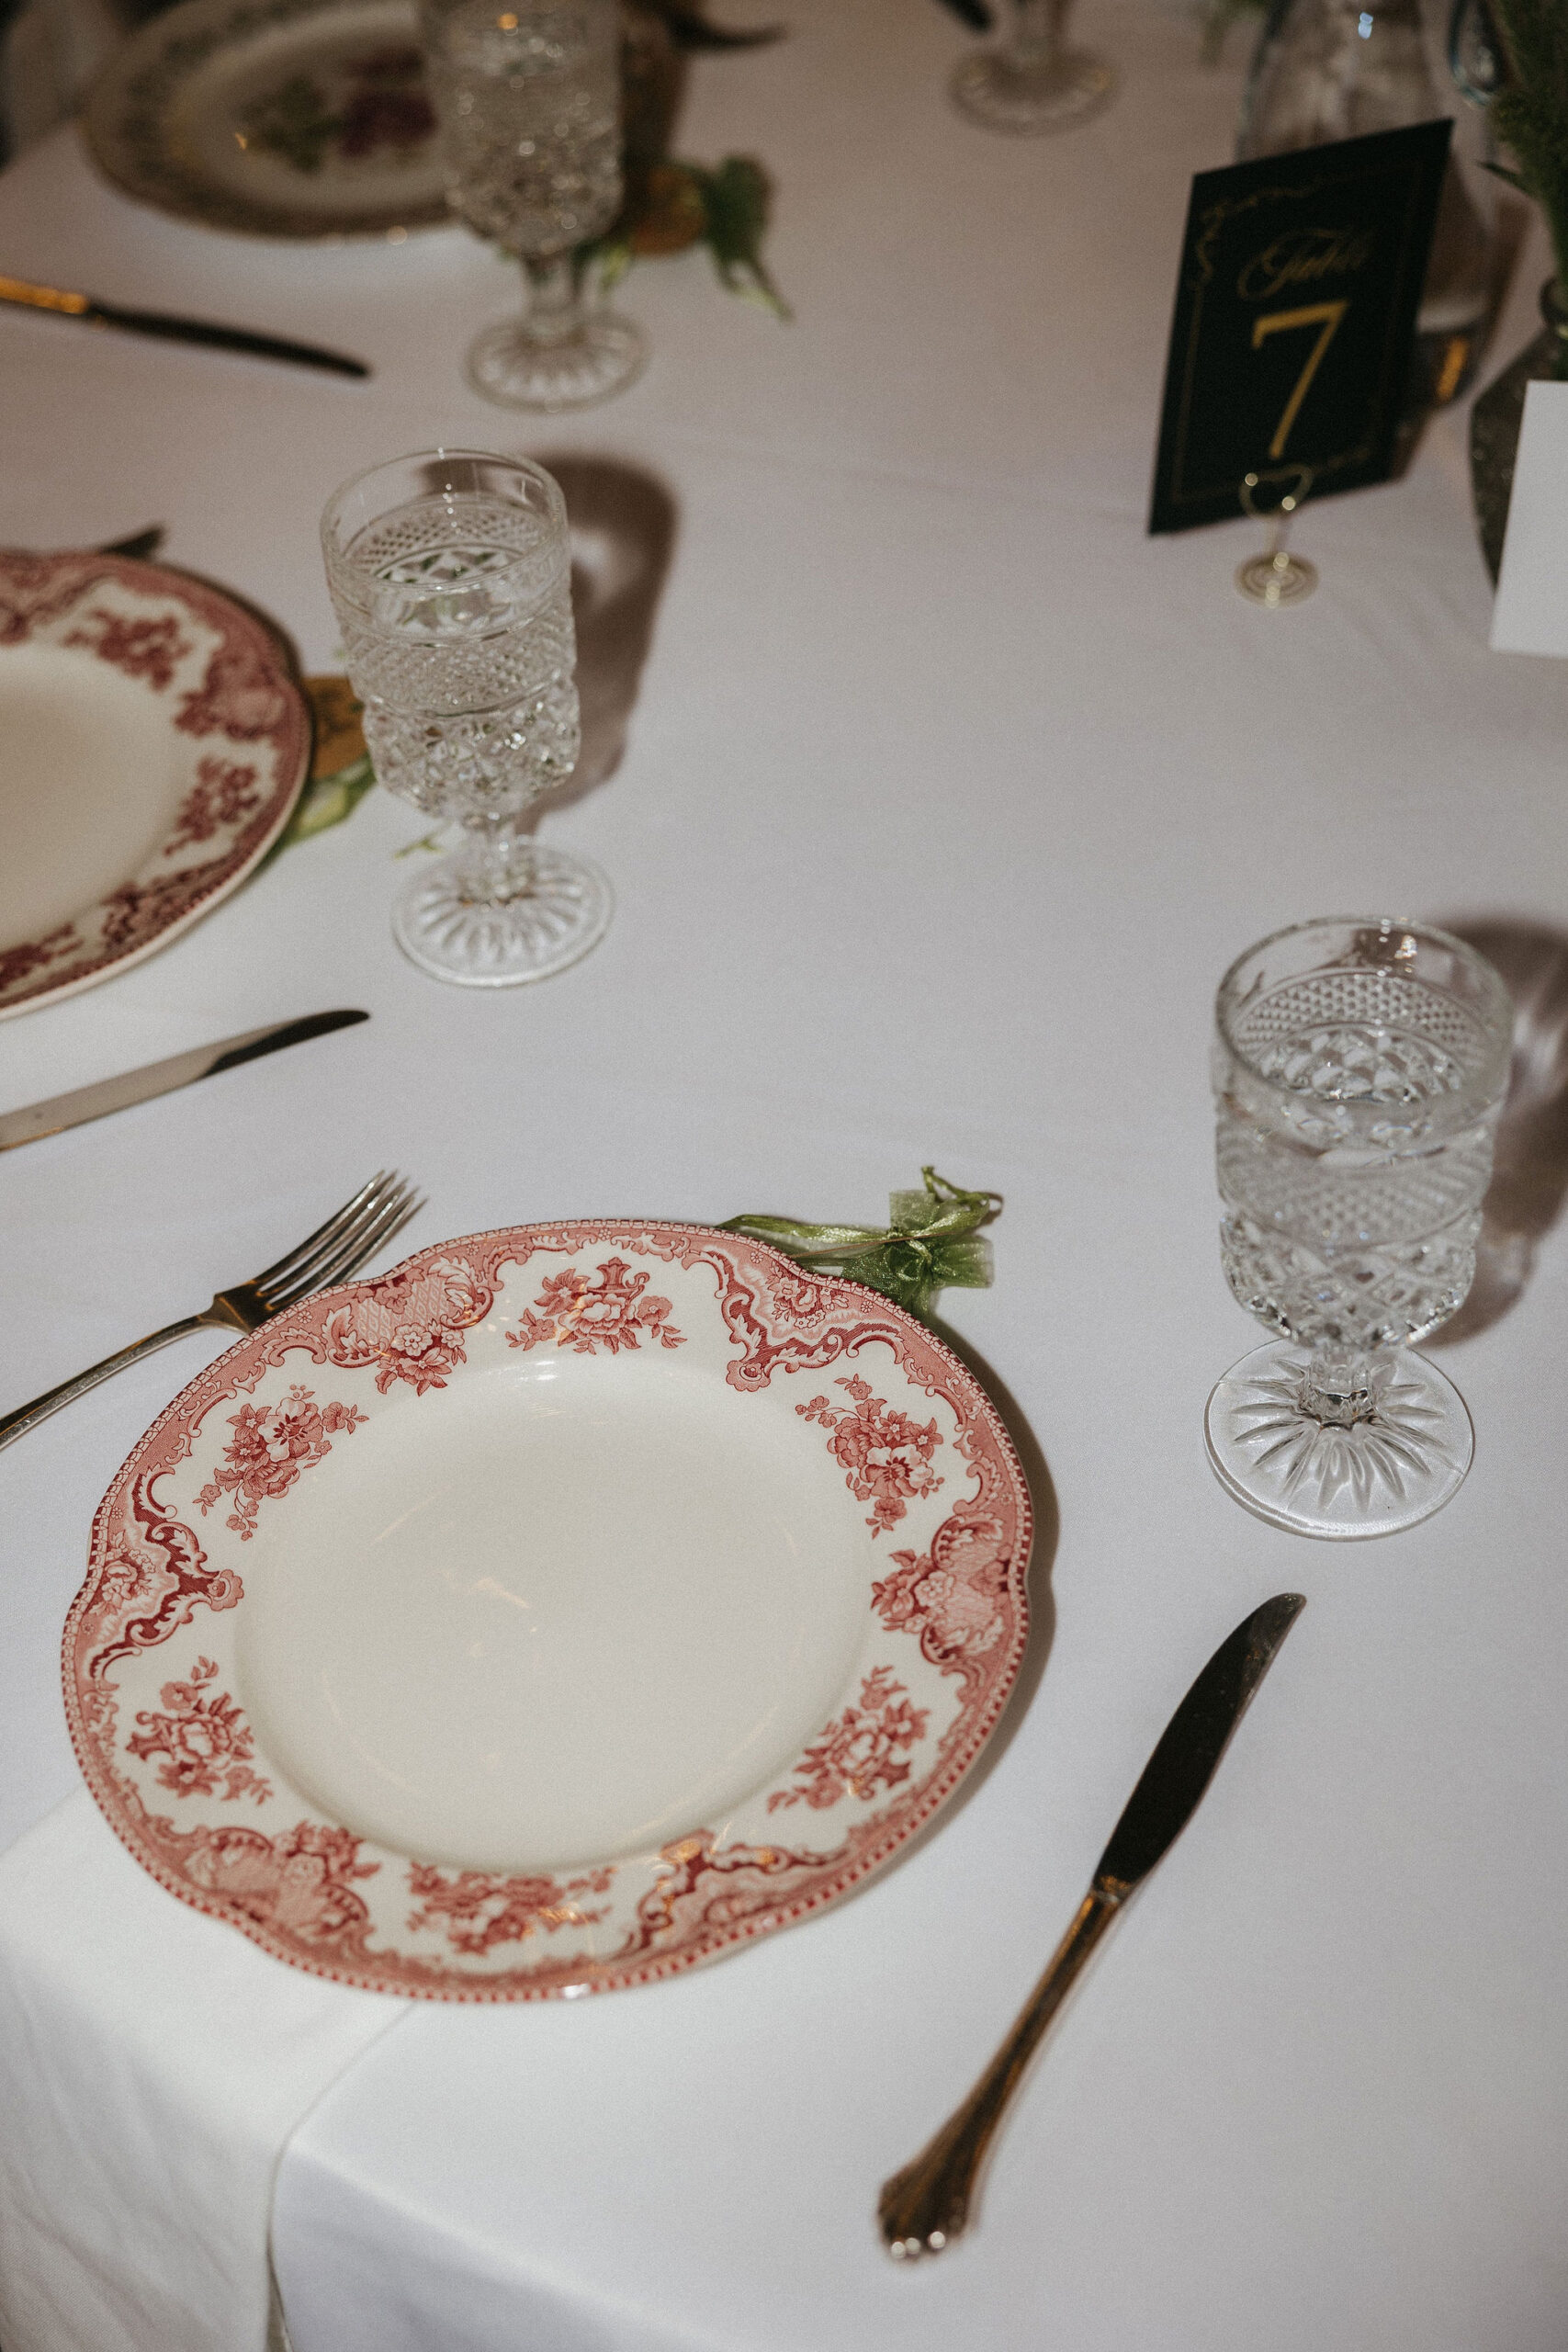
x=947 y=796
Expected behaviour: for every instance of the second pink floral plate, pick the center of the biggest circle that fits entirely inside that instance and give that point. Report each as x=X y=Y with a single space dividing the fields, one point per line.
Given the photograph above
x=566 y=1607
x=152 y=744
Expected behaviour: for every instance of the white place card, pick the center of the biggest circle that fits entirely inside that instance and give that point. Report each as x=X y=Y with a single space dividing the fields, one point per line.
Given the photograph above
x=1531 y=612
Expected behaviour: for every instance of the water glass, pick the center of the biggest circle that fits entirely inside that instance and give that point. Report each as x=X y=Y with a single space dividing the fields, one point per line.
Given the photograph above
x=528 y=97
x=1031 y=81
x=1358 y=1070
x=450 y=574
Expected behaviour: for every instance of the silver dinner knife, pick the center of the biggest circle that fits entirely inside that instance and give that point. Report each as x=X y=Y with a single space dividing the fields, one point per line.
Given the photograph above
x=162 y=1078
x=924 y=2207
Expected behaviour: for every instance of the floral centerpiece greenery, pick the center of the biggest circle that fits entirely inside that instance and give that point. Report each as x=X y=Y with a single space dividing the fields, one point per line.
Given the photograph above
x=931 y=1242
x=671 y=205
x=677 y=205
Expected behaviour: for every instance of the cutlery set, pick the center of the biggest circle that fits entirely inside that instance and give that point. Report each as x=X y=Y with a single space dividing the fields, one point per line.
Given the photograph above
x=924 y=2207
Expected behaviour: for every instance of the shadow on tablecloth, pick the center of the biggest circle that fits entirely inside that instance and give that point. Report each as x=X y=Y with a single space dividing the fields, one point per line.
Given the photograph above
x=1529 y=1178
x=623 y=523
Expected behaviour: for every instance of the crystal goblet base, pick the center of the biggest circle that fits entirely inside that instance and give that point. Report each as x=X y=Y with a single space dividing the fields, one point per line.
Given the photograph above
x=1030 y=96
x=517 y=366
x=486 y=919
x=1361 y=1448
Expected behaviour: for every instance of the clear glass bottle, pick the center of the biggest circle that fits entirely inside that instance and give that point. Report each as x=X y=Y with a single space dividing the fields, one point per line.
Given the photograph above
x=1336 y=69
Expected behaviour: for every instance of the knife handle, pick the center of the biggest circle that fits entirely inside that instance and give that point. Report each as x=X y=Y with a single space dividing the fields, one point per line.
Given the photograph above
x=925 y=2206
x=27 y=1417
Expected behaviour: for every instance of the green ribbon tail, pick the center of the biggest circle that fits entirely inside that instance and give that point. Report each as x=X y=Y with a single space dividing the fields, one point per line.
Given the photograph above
x=799 y=1239
x=931 y=1243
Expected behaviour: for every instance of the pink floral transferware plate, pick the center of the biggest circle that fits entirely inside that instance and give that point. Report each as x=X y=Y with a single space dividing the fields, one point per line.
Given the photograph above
x=274 y=119
x=152 y=744
x=567 y=1608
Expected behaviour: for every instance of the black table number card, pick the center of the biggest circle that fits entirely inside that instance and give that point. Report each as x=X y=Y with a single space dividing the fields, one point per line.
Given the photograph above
x=1295 y=308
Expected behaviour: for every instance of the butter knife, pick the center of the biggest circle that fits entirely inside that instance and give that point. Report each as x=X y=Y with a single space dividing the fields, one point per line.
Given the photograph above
x=87 y=308
x=163 y=1078
x=925 y=2207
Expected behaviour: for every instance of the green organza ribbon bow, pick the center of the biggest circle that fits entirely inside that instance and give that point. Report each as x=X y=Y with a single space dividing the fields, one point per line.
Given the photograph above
x=931 y=1243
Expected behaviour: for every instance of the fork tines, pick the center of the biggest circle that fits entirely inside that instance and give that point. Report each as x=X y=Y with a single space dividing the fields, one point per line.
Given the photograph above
x=340 y=1246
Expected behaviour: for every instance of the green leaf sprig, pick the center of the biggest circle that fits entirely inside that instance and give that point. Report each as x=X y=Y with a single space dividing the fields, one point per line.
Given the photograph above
x=679 y=205
x=931 y=1242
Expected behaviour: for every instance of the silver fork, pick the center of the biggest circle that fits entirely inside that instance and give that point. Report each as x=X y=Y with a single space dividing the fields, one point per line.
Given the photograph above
x=331 y=1254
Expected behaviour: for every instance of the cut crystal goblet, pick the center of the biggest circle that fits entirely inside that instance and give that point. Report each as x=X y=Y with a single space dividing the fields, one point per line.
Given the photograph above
x=450 y=574
x=528 y=97
x=1358 y=1070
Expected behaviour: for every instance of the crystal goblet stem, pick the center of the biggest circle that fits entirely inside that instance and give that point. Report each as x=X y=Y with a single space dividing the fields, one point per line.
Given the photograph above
x=555 y=296
x=504 y=909
x=563 y=352
x=1033 y=82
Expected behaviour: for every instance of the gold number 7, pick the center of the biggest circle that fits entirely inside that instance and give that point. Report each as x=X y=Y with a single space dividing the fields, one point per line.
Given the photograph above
x=1325 y=314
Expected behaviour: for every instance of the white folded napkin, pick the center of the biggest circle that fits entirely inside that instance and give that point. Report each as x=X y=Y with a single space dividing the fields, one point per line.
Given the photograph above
x=153 y=2066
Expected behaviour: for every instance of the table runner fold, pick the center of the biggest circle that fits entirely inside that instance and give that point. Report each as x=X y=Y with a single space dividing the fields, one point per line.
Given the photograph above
x=152 y=2066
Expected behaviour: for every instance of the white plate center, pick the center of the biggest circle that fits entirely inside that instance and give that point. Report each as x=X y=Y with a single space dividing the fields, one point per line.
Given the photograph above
x=90 y=776
x=570 y=1608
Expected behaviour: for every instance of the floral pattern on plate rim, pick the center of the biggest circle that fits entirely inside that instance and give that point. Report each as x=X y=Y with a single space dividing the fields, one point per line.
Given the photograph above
x=229 y=696
x=945 y=1629
x=130 y=121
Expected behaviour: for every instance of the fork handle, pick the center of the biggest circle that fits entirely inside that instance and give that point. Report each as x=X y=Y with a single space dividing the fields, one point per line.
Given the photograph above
x=27 y=1417
x=925 y=2207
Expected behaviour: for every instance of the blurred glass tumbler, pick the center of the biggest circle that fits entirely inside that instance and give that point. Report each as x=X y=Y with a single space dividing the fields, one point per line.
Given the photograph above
x=528 y=95
x=450 y=574
x=1359 y=1069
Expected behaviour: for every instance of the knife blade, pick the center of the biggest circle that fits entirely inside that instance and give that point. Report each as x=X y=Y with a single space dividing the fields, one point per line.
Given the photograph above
x=1172 y=1783
x=162 y=1078
x=925 y=2206
x=66 y=305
